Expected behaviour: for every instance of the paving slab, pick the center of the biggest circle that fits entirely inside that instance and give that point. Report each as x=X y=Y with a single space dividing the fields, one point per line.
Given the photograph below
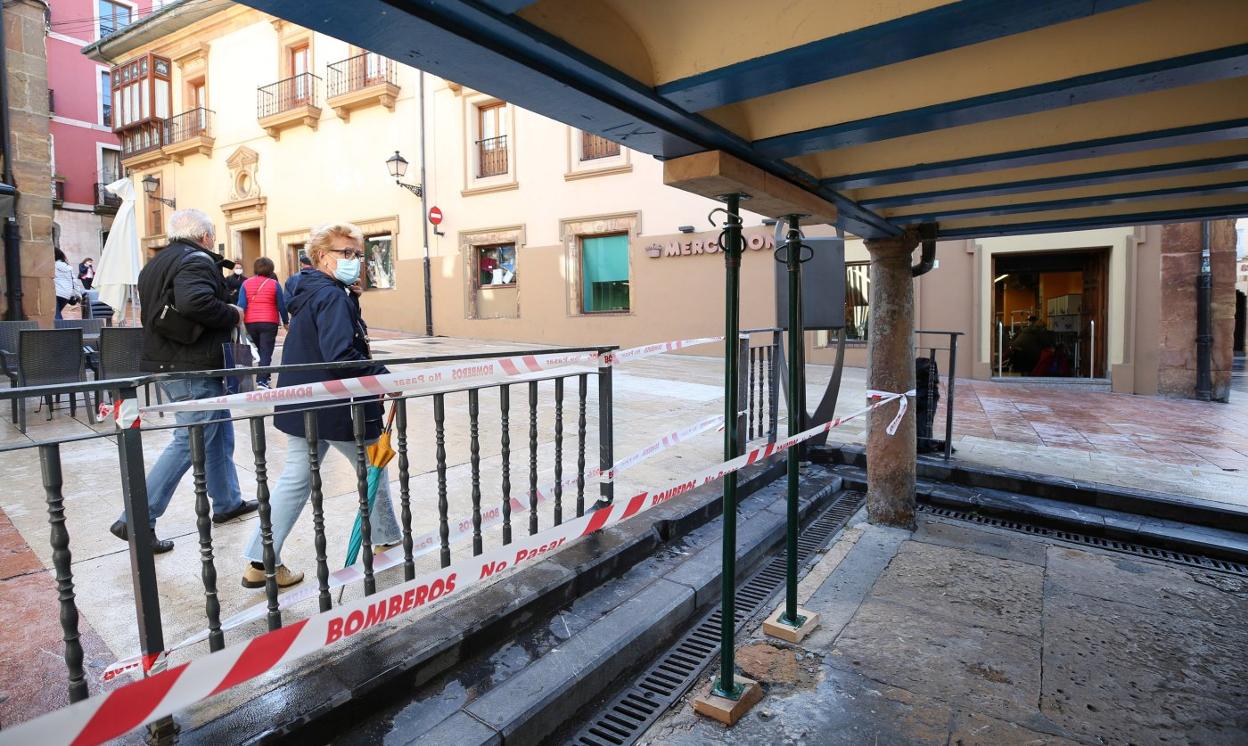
x=964 y=586
x=966 y=635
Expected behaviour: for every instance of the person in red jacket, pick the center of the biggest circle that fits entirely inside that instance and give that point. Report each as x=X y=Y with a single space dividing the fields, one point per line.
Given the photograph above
x=264 y=305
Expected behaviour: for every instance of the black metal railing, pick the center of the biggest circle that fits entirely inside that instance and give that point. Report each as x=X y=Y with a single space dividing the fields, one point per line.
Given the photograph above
x=142 y=139
x=492 y=156
x=104 y=198
x=758 y=384
x=416 y=428
x=359 y=72
x=188 y=125
x=107 y=112
x=285 y=95
x=594 y=147
x=58 y=191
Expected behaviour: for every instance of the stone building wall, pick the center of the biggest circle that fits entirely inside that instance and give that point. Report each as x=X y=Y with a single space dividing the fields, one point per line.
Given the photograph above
x=1180 y=267
x=28 y=111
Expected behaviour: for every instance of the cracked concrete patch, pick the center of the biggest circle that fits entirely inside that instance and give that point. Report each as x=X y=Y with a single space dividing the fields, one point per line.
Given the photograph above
x=964 y=586
x=989 y=670
x=773 y=665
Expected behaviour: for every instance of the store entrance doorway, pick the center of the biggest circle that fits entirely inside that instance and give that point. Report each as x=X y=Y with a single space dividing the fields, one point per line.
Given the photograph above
x=1049 y=309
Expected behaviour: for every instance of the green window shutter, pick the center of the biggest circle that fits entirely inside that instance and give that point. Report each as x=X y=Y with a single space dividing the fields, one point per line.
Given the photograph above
x=604 y=273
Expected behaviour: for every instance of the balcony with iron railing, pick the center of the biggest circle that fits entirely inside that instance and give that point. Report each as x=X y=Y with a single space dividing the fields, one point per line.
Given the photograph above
x=106 y=201
x=189 y=133
x=289 y=103
x=141 y=145
x=364 y=80
x=492 y=157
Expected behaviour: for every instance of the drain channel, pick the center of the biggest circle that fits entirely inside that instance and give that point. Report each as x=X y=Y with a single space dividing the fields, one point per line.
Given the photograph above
x=1114 y=545
x=626 y=717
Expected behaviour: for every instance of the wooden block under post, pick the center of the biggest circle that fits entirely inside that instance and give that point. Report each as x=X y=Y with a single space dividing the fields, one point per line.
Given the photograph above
x=729 y=711
x=773 y=627
x=715 y=173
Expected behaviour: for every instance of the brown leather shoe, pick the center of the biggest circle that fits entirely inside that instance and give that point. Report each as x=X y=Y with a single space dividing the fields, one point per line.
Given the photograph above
x=254 y=578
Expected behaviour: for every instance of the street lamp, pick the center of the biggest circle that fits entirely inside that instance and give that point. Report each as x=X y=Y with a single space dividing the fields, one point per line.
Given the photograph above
x=397 y=166
x=150 y=185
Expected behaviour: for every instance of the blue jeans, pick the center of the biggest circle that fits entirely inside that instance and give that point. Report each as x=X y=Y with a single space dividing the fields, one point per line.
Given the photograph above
x=173 y=464
x=293 y=488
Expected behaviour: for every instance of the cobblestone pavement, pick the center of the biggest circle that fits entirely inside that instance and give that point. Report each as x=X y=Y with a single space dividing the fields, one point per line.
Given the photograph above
x=652 y=397
x=973 y=636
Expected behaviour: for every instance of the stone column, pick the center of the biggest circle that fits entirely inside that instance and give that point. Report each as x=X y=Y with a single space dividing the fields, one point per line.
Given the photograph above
x=27 y=79
x=890 y=367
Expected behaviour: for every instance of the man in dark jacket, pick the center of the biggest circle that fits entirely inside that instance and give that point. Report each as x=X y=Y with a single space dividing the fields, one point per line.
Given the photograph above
x=292 y=282
x=186 y=319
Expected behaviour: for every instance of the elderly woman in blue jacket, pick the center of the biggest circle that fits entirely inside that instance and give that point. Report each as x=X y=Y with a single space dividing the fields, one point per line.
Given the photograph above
x=326 y=327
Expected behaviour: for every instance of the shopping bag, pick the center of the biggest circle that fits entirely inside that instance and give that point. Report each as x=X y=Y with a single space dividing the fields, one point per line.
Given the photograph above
x=240 y=353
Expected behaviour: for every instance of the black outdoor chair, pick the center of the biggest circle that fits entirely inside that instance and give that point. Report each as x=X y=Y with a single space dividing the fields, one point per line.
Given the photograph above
x=90 y=328
x=9 y=341
x=121 y=350
x=46 y=357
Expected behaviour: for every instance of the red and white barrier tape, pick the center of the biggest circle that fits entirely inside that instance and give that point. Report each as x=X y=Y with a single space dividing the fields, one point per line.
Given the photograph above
x=105 y=716
x=421 y=545
x=901 y=408
x=637 y=353
x=124 y=412
x=416 y=381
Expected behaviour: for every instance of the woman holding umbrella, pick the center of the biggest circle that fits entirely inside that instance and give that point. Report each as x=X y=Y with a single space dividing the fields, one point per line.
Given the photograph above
x=326 y=327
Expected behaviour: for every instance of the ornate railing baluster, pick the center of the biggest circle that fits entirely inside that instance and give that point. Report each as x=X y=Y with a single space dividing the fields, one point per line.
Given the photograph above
x=504 y=405
x=62 y=562
x=405 y=489
x=474 y=461
x=751 y=367
x=439 y=429
x=266 y=520
x=203 y=522
x=532 y=457
x=558 y=451
x=773 y=388
x=758 y=392
x=361 y=484
x=311 y=433
x=580 y=444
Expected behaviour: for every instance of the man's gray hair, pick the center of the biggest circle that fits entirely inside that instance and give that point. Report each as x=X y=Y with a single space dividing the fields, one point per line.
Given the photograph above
x=191 y=224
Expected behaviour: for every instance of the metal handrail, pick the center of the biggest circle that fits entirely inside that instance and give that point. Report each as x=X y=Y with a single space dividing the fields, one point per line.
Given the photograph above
x=492 y=156
x=287 y=94
x=130 y=449
x=359 y=72
x=105 y=198
x=30 y=392
x=190 y=124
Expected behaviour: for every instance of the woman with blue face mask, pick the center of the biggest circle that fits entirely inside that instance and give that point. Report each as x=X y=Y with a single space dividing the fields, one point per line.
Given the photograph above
x=325 y=327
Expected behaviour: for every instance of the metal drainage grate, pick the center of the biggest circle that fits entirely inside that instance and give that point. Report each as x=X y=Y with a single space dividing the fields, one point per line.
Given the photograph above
x=1126 y=547
x=624 y=719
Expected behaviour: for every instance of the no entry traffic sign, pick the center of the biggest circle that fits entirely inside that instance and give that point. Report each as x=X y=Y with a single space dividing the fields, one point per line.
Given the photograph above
x=435 y=215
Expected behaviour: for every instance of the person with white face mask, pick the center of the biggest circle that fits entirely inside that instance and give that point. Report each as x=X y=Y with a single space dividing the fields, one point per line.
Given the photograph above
x=234 y=281
x=325 y=327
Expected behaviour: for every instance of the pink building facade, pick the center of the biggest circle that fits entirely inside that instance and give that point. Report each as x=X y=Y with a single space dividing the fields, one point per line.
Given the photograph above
x=84 y=152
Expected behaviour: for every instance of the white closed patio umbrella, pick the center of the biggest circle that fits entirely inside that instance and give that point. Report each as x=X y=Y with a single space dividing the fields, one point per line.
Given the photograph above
x=118 y=273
